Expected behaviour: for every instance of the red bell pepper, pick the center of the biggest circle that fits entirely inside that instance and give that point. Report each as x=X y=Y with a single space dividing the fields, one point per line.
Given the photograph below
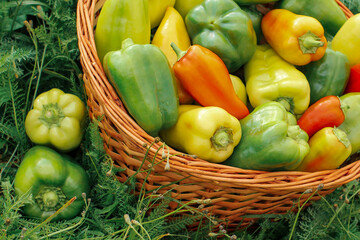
x=326 y=112
x=353 y=84
x=205 y=77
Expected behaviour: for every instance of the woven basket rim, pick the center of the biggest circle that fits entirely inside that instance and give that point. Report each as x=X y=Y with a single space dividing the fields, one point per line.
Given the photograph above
x=111 y=106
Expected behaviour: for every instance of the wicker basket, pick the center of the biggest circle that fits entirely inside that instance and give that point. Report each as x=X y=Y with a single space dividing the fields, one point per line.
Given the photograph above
x=234 y=192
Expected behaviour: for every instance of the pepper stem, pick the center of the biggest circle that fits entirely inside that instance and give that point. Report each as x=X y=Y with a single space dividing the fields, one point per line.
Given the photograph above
x=341 y=136
x=287 y=102
x=52 y=114
x=222 y=138
x=310 y=42
x=50 y=198
x=180 y=53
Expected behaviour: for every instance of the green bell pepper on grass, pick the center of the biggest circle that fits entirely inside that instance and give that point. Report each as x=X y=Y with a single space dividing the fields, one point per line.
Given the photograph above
x=142 y=77
x=271 y=140
x=224 y=28
x=352 y=116
x=327 y=76
x=52 y=179
x=327 y=12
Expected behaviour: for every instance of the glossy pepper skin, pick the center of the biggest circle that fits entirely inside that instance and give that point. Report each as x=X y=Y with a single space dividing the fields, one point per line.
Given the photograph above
x=57 y=119
x=205 y=77
x=353 y=84
x=329 y=148
x=210 y=133
x=351 y=123
x=249 y=2
x=141 y=75
x=299 y=39
x=172 y=29
x=52 y=179
x=256 y=18
x=184 y=6
x=119 y=20
x=327 y=76
x=268 y=77
x=326 y=112
x=239 y=88
x=157 y=10
x=225 y=29
x=270 y=141
x=347 y=39
x=327 y=12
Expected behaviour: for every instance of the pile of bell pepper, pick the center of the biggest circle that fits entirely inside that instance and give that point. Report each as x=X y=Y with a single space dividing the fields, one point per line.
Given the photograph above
x=255 y=84
x=47 y=172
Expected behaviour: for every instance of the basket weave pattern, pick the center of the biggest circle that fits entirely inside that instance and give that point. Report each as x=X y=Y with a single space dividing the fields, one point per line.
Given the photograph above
x=233 y=192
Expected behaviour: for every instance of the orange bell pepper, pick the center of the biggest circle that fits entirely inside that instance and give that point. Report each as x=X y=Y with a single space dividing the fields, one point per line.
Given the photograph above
x=205 y=77
x=299 y=39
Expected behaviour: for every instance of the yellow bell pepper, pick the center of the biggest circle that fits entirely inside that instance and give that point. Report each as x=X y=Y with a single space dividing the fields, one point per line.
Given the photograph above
x=347 y=40
x=172 y=29
x=329 y=148
x=239 y=88
x=157 y=10
x=269 y=77
x=184 y=6
x=210 y=133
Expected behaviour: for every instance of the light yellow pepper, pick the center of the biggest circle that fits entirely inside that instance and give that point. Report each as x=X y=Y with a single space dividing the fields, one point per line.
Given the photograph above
x=347 y=39
x=210 y=133
x=157 y=10
x=172 y=29
x=239 y=88
x=269 y=77
x=183 y=6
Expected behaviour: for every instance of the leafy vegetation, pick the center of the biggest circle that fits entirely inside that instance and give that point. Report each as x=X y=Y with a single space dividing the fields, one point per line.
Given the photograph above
x=39 y=51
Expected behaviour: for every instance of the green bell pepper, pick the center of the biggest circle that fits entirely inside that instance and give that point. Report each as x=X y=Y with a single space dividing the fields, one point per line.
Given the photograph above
x=52 y=179
x=327 y=12
x=142 y=77
x=248 y=2
x=327 y=76
x=352 y=115
x=224 y=28
x=271 y=140
x=256 y=18
x=119 y=20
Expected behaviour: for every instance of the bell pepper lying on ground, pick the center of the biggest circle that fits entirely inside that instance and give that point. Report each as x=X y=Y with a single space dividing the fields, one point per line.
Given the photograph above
x=326 y=112
x=329 y=148
x=328 y=13
x=57 y=120
x=268 y=77
x=270 y=140
x=119 y=20
x=205 y=77
x=353 y=84
x=351 y=123
x=172 y=29
x=141 y=75
x=327 y=76
x=225 y=29
x=297 y=38
x=52 y=180
x=210 y=133
x=347 y=40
